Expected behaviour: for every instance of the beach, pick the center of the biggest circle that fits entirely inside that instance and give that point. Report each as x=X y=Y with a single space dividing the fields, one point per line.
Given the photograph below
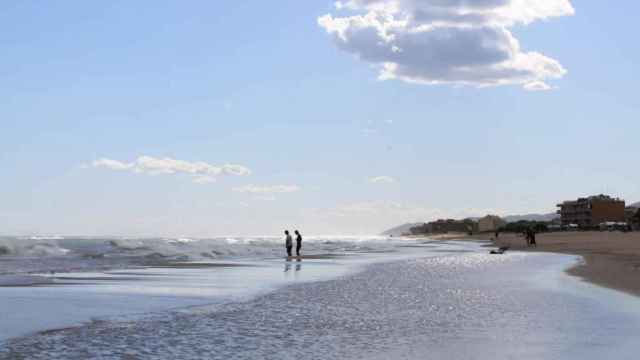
x=611 y=259
x=319 y=180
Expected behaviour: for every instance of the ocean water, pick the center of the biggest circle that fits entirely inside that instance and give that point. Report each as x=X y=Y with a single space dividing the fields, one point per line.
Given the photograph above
x=357 y=298
x=33 y=260
x=53 y=282
x=64 y=254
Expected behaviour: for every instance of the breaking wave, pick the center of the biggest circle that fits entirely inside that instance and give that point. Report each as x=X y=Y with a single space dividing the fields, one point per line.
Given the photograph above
x=31 y=247
x=44 y=254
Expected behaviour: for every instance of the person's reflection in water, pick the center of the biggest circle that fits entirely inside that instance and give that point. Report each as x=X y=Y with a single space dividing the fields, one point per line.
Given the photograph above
x=287 y=265
x=298 y=267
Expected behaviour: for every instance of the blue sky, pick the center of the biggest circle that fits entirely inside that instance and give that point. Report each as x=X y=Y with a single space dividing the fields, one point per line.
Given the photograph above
x=330 y=148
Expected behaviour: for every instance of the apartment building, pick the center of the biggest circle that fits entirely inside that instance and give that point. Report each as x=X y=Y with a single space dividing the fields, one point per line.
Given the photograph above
x=591 y=211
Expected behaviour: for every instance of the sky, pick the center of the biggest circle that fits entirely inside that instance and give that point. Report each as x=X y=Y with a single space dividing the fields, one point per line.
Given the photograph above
x=226 y=118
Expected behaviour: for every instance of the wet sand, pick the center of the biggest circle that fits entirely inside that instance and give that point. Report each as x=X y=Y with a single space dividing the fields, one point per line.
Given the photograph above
x=611 y=259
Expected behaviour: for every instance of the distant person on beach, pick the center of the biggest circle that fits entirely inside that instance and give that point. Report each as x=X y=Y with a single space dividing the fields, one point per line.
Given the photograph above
x=532 y=238
x=288 y=242
x=298 y=242
x=530 y=234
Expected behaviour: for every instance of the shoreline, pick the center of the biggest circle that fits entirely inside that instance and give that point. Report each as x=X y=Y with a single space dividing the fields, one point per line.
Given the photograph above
x=610 y=259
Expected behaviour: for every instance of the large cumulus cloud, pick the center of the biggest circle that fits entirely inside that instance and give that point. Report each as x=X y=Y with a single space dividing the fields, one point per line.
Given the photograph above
x=464 y=42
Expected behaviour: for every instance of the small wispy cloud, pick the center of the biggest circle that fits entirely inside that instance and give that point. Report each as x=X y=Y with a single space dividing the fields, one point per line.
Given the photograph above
x=265 y=190
x=112 y=164
x=381 y=180
x=266 y=198
x=200 y=172
x=537 y=86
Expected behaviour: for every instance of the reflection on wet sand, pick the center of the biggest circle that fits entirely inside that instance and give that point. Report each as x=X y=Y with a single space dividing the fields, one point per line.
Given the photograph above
x=288 y=263
x=199 y=265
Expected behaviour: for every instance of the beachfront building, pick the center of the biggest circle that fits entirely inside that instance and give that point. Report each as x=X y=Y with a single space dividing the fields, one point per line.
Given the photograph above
x=592 y=211
x=490 y=223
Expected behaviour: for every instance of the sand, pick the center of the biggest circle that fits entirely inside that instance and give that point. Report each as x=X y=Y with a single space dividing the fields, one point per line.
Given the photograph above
x=611 y=259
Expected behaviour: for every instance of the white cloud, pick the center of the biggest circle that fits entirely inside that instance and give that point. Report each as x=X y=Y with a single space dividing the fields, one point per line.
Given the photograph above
x=460 y=42
x=201 y=172
x=112 y=164
x=381 y=180
x=263 y=190
x=537 y=86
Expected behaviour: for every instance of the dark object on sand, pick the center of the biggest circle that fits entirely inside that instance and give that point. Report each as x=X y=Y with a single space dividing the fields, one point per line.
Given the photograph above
x=530 y=235
x=532 y=239
x=500 y=250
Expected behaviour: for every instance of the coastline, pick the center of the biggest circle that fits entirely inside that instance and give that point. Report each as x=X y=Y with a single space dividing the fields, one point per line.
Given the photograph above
x=611 y=259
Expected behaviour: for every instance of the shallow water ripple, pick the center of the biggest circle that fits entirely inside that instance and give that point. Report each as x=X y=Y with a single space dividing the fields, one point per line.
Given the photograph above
x=471 y=306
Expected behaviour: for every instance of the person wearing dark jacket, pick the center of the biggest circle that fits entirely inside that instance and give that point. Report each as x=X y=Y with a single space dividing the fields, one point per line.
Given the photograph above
x=288 y=243
x=298 y=242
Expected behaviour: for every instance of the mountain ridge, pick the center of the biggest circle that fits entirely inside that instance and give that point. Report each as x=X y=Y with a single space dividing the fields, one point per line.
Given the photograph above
x=531 y=217
x=400 y=229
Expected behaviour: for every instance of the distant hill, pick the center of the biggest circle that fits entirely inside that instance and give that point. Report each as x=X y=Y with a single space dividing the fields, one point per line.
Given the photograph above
x=531 y=217
x=635 y=205
x=399 y=230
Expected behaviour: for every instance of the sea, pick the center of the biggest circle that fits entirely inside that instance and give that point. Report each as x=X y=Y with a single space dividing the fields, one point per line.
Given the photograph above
x=347 y=297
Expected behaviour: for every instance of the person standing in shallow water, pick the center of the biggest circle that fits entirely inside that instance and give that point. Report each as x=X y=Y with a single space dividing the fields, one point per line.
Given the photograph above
x=288 y=242
x=298 y=242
